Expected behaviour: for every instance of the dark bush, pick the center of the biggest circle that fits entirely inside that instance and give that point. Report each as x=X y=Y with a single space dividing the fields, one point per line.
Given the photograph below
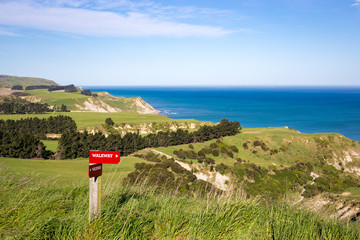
x=245 y=146
x=234 y=148
x=215 y=153
x=221 y=168
x=86 y=92
x=17 y=87
x=109 y=122
x=214 y=145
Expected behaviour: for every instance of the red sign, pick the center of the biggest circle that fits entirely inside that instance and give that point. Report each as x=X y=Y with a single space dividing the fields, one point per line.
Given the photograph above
x=109 y=157
x=95 y=170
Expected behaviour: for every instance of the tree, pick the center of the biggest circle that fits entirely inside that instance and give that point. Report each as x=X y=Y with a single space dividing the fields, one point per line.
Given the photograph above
x=17 y=87
x=109 y=122
x=86 y=92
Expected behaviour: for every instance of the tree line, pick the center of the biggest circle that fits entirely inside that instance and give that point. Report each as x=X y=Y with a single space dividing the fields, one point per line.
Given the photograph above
x=68 y=88
x=36 y=126
x=21 y=138
x=20 y=106
x=23 y=108
x=22 y=145
x=75 y=144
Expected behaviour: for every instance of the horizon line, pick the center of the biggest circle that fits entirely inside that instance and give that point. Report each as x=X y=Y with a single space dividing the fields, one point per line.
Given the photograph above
x=230 y=86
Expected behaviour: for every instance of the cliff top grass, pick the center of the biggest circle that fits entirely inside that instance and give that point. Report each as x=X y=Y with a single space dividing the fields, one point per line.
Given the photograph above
x=58 y=98
x=281 y=147
x=93 y=119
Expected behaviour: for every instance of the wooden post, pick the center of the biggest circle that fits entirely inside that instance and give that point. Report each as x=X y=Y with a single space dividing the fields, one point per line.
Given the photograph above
x=94 y=197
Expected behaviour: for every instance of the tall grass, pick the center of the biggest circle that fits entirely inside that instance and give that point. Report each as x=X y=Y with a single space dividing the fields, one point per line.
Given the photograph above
x=33 y=208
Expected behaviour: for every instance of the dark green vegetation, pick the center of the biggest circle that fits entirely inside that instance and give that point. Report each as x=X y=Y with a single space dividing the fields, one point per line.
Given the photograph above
x=17 y=105
x=206 y=154
x=39 y=127
x=278 y=163
x=86 y=92
x=167 y=175
x=23 y=107
x=41 y=208
x=21 y=138
x=17 y=87
x=75 y=144
x=132 y=120
x=68 y=88
x=22 y=145
x=14 y=104
x=109 y=122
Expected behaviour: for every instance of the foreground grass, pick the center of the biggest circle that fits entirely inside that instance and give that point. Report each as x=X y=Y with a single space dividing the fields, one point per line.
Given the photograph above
x=44 y=208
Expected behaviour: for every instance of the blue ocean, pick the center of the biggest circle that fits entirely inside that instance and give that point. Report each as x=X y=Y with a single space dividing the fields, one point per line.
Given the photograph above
x=309 y=110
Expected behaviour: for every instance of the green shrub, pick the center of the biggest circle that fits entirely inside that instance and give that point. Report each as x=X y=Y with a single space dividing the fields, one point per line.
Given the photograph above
x=215 y=152
x=234 y=149
x=214 y=145
x=221 y=168
x=109 y=122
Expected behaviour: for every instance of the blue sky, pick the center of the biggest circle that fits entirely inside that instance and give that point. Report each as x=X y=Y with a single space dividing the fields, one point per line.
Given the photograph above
x=181 y=42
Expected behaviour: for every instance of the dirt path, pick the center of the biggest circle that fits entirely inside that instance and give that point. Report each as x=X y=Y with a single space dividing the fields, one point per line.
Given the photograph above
x=314 y=176
x=8 y=91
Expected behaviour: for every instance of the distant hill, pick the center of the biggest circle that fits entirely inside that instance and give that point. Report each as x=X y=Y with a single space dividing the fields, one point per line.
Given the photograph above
x=9 y=81
x=37 y=91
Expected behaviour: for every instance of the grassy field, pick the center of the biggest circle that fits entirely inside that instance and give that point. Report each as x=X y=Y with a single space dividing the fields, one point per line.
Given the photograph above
x=58 y=98
x=296 y=146
x=92 y=119
x=70 y=171
x=51 y=144
x=41 y=207
x=48 y=199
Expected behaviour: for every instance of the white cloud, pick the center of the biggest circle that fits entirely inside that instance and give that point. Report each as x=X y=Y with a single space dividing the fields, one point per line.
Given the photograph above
x=66 y=16
x=356 y=3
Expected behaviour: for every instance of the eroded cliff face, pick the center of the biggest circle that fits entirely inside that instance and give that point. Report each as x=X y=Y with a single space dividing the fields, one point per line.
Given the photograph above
x=143 y=107
x=145 y=128
x=96 y=105
x=105 y=102
x=334 y=207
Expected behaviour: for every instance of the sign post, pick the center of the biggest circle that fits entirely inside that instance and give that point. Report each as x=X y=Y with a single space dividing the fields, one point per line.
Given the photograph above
x=96 y=159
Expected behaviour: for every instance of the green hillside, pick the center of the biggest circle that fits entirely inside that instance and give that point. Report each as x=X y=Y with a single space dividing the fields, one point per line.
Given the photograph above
x=45 y=207
x=316 y=171
x=268 y=170
x=74 y=101
x=9 y=81
x=96 y=119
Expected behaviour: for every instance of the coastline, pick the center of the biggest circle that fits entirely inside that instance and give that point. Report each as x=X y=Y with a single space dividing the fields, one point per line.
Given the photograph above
x=307 y=109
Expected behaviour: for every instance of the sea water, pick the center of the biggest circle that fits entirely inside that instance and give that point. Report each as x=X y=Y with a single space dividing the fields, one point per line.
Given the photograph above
x=307 y=109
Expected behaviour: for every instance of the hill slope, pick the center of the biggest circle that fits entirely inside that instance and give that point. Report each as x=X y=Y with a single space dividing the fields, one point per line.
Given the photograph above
x=9 y=81
x=319 y=171
x=46 y=209
x=100 y=102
